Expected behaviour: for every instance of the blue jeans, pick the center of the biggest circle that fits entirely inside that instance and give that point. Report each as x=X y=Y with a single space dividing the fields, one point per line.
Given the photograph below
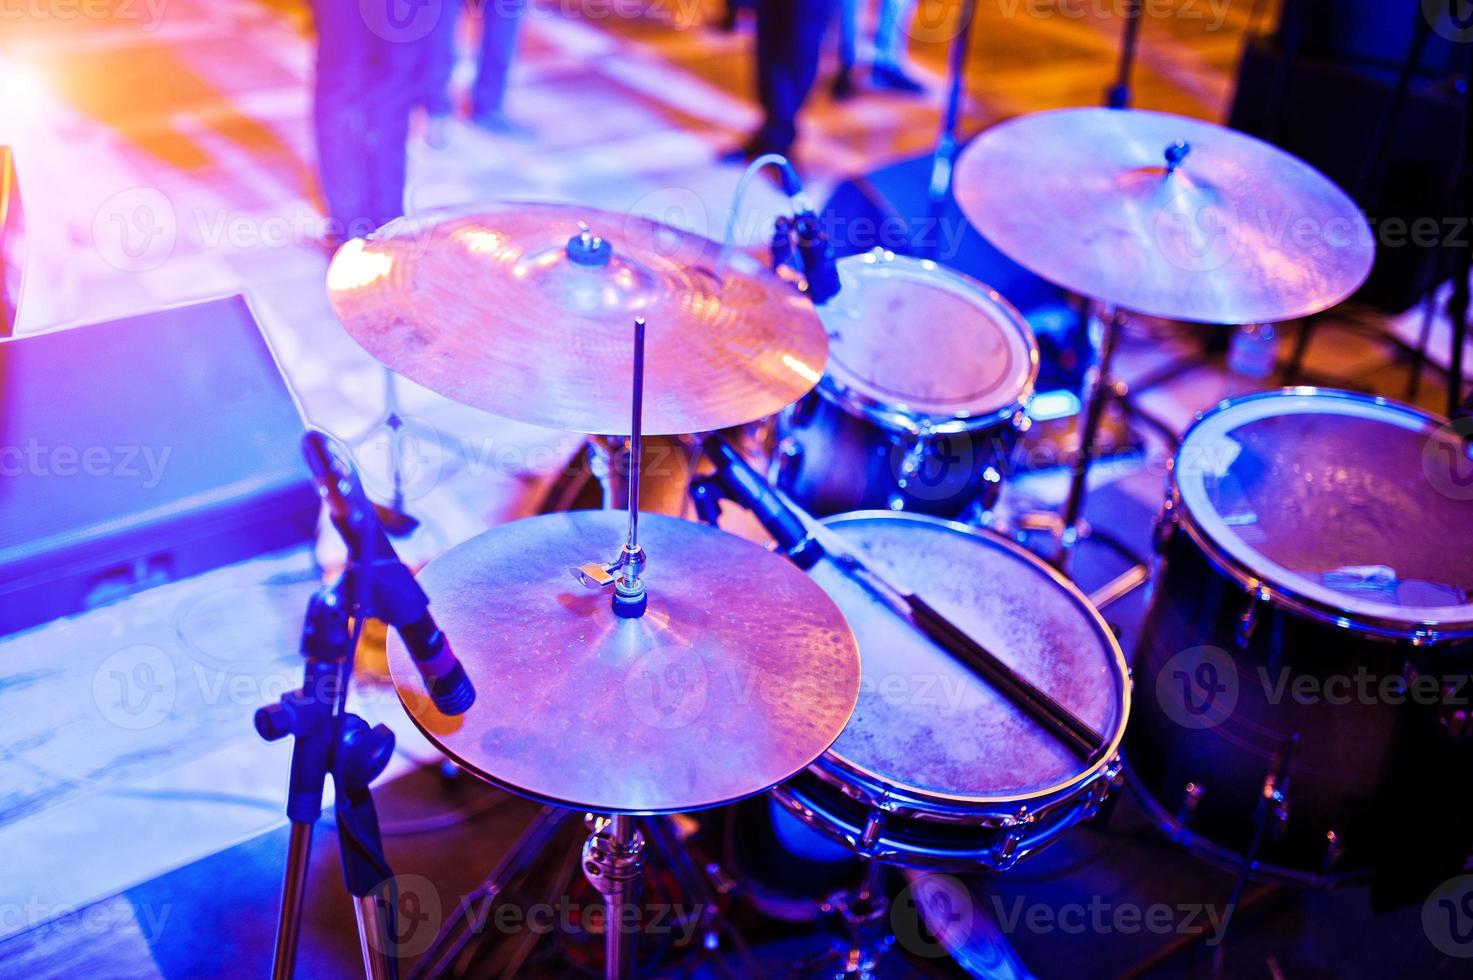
x=367 y=56
x=499 y=22
x=789 y=37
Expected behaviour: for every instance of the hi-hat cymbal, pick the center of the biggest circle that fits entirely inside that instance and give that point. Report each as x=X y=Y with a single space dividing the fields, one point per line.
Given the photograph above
x=514 y=310
x=1240 y=232
x=740 y=674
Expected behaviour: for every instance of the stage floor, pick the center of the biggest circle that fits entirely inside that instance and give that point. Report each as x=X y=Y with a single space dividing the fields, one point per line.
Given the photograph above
x=168 y=158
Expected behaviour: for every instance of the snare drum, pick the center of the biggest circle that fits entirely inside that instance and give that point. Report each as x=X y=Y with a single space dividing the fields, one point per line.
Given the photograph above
x=1316 y=563
x=935 y=768
x=928 y=376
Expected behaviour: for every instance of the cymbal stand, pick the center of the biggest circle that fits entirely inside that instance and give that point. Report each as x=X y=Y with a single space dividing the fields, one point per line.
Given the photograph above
x=1118 y=95
x=944 y=158
x=625 y=573
x=329 y=739
x=1068 y=528
x=863 y=916
x=394 y=515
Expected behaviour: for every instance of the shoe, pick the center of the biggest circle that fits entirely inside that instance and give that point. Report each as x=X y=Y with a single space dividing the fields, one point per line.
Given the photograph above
x=437 y=132
x=502 y=125
x=893 y=79
x=753 y=148
x=842 y=87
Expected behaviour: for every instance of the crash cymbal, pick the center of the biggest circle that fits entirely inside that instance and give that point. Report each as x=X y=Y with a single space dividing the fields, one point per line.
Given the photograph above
x=514 y=310
x=740 y=674
x=1239 y=232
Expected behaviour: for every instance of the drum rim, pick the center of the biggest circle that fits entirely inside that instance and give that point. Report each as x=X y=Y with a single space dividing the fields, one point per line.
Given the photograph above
x=888 y=792
x=1257 y=582
x=895 y=418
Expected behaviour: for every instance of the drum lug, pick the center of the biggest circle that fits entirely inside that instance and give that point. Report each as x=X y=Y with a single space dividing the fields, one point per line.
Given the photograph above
x=803 y=411
x=1191 y=798
x=1334 y=851
x=1248 y=619
x=1165 y=527
x=786 y=461
x=1424 y=637
x=1007 y=852
x=874 y=826
x=1277 y=798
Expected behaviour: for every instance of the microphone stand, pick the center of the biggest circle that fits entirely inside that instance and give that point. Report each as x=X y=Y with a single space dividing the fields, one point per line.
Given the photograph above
x=375 y=584
x=329 y=739
x=944 y=159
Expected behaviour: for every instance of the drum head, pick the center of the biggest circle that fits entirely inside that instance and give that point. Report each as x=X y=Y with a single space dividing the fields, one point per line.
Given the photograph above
x=910 y=341
x=1343 y=502
x=925 y=724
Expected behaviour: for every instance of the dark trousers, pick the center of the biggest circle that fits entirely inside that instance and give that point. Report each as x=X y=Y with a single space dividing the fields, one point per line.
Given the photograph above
x=790 y=36
x=499 y=22
x=368 y=54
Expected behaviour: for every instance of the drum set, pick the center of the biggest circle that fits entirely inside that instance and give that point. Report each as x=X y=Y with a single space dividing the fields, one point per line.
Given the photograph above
x=628 y=666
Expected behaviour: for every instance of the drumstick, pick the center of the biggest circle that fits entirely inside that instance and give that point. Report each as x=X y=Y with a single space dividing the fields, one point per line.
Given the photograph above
x=806 y=541
x=1084 y=741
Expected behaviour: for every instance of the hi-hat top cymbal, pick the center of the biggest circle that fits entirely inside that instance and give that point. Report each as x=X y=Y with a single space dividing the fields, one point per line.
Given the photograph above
x=526 y=311
x=741 y=672
x=1165 y=215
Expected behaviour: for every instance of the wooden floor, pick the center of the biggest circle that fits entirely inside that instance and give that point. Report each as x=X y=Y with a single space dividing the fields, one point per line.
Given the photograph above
x=167 y=159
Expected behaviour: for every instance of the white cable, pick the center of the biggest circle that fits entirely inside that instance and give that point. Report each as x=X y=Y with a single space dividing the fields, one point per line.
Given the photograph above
x=766 y=159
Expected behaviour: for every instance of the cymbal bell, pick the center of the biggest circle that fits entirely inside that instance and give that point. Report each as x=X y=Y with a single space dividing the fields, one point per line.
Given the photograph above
x=527 y=311
x=1164 y=215
x=740 y=674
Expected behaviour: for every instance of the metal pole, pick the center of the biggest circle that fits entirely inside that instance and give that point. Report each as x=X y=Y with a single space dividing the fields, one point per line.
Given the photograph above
x=293 y=897
x=1097 y=397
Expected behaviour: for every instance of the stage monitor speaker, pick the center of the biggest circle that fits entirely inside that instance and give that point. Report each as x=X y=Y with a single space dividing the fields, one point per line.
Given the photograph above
x=140 y=451
x=12 y=243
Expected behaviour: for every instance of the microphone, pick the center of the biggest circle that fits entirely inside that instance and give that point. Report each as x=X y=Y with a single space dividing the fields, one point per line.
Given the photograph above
x=820 y=267
x=742 y=484
x=392 y=594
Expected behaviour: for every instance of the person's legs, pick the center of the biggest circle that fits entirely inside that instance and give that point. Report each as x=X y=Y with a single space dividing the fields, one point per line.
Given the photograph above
x=391 y=95
x=892 y=39
x=498 y=46
x=789 y=40
x=438 y=62
x=843 y=86
x=339 y=117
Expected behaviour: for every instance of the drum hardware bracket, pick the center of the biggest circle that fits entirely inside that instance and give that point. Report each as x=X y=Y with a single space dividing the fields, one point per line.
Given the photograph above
x=626 y=573
x=613 y=863
x=1191 y=799
x=1247 y=622
x=1270 y=819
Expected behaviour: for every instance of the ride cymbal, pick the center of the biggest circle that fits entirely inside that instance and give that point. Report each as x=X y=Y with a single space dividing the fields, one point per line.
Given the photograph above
x=1164 y=215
